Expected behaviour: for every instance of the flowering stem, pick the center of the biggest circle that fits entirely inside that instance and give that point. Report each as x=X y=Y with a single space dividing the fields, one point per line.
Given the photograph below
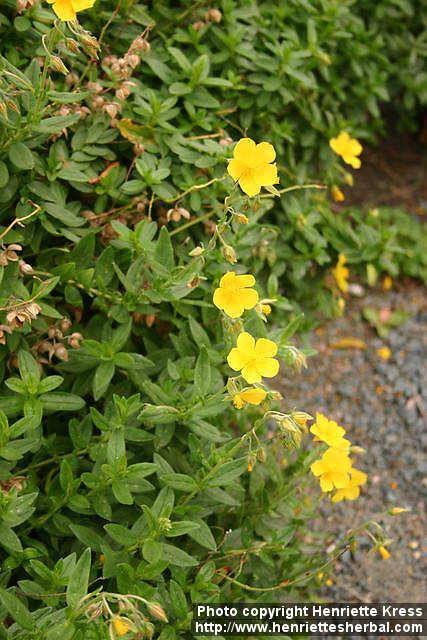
x=295 y=187
x=192 y=222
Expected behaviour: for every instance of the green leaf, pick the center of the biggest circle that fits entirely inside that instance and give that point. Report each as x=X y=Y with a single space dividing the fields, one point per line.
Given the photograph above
x=29 y=370
x=9 y=540
x=180 y=481
x=79 y=580
x=4 y=174
x=21 y=156
x=203 y=535
x=50 y=383
x=56 y=124
x=177 y=556
x=16 y=609
x=227 y=472
x=102 y=378
x=58 y=401
x=199 y=334
x=202 y=373
x=164 y=251
x=178 y=600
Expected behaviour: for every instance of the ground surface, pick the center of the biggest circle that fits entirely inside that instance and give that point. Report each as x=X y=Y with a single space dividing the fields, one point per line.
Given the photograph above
x=382 y=403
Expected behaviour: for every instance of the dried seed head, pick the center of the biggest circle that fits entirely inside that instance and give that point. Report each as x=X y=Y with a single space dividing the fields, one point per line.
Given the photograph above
x=111 y=108
x=94 y=87
x=229 y=254
x=71 y=78
x=65 y=324
x=61 y=352
x=197 y=26
x=25 y=269
x=213 y=15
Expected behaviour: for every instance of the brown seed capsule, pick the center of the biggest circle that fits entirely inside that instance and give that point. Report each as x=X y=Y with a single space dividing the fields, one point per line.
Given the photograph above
x=65 y=324
x=213 y=15
x=25 y=269
x=157 y=611
x=61 y=352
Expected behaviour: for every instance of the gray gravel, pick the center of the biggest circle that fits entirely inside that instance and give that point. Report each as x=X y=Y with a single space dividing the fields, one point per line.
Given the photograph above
x=383 y=405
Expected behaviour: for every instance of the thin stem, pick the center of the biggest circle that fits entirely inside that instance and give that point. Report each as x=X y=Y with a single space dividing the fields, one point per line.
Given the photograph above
x=20 y=220
x=187 y=225
x=295 y=187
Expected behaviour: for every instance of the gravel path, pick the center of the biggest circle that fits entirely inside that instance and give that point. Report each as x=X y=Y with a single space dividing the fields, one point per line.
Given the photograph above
x=383 y=405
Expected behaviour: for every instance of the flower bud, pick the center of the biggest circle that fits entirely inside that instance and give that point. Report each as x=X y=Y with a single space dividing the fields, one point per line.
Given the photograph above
x=57 y=65
x=197 y=251
x=157 y=611
x=229 y=254
x=337 y=194
x=395 y=511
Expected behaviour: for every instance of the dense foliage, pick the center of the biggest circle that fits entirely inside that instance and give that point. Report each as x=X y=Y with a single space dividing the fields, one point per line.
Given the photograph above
x=123 y=462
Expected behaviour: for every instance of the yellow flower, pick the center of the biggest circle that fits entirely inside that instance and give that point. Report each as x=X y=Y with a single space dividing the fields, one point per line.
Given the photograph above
x=348 y=148
x=249 y=396
x=121 y=626
x=251 y=166
x=301 y=418
x=332 y=469
x=330 y=432
x=234 y=294
x=266 y=309
x=67 y=9
x=385 y=553
x=341 y=273
x=352 y=490
x=254 y=359
x=387 y=283
x=384 y=353
x=337 y=194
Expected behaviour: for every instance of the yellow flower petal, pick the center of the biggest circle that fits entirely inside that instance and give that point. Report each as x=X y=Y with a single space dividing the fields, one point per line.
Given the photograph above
x=246 y=342
x=253 y=396
x=265 y=348
x=250 y=372
x=81 y=5
x=267 y=175
x=248 y=298
x=243 y=149
x=326 y=484
x=249 y=184
x=237 y=360
x=268 y=367
x=64 y=10
x=266 y=151
x=246 y=280
x=236 y=169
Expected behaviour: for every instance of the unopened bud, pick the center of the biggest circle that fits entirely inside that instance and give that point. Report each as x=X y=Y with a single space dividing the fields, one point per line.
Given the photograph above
x=395 y=511
x=357 y=450
x=348 y=178
x=261 y=455
x=157 y=611
x=229 y=254
x=337 y=194
x=197 y=251
x=72 y=45
x=242 y=218
x=57 y=65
